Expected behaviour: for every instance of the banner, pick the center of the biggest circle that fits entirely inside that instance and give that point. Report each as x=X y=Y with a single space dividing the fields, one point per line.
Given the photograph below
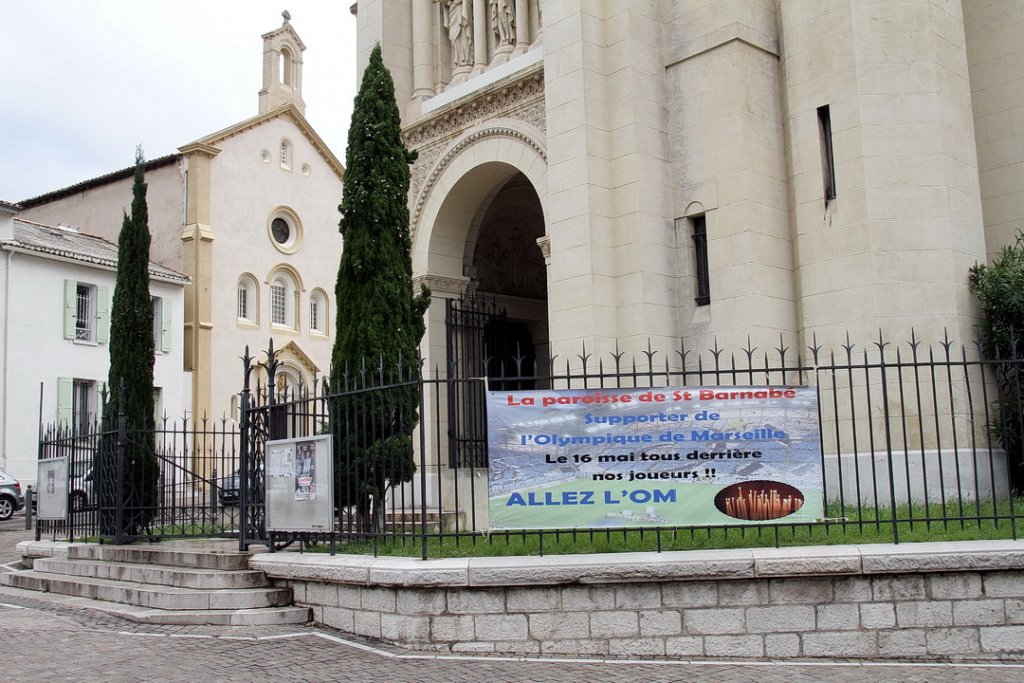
x=672 y=456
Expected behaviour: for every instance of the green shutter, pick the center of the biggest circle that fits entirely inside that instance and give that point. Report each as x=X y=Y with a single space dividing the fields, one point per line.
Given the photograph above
x=102 y=314
x=98 y=406
x=70 y=307
x=65 y=401
x=165 y=325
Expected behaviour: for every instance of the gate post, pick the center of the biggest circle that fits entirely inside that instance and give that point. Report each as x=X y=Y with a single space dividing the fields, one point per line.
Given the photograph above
x=276 y=419
x=244 y=428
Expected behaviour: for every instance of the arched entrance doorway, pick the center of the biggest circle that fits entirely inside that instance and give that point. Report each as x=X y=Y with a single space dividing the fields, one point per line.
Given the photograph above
x=505 y=265
x=498 y=328
x=479 y=235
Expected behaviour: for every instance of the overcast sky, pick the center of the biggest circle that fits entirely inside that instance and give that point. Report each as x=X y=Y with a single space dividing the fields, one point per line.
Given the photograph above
x=83 y=83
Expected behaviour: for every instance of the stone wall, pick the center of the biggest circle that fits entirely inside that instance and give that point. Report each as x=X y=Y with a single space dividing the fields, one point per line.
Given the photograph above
x=945 y=601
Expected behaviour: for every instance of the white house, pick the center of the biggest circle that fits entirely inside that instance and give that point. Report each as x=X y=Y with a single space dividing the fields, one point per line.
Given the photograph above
x=58 y=284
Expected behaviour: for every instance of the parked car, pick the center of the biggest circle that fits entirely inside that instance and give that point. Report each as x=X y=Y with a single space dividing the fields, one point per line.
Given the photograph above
x=227 y=489
x=11 y=497
x=80 y=488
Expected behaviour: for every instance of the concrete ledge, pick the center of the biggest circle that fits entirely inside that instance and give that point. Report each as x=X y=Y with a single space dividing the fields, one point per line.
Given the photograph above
x=938 y=557
x=32 y=550
x=615 y=568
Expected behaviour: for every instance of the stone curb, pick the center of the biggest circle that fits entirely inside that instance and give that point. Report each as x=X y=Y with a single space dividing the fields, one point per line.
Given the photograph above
x=613 y=568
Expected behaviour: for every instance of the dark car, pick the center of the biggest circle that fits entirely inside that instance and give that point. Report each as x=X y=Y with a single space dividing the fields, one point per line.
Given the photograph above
x=81 y=488
x=227 y=489
x=11 y=497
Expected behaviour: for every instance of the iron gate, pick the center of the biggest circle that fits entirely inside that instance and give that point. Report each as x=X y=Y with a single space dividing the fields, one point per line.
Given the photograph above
x=469 y=360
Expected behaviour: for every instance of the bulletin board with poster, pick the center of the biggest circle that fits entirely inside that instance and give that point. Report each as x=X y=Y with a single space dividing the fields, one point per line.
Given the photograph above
x=52 y=496
x=299 y=476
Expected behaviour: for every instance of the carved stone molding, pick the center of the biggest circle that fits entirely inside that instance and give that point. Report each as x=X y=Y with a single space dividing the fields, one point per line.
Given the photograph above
x=544 y=244
x=441 y=284
x=515 y=100
x=521 y=100
x=426 y=184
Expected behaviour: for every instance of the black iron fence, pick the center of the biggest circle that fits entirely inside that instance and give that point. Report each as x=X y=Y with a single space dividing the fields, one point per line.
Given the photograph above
x=918 y=441
x=196 y=480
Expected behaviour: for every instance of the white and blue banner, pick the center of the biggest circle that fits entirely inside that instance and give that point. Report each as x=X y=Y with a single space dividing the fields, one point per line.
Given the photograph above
x=671 y=456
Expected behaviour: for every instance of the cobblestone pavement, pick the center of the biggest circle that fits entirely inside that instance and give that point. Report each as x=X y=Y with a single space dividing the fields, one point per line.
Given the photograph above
x=45 y=639
x=12 y=532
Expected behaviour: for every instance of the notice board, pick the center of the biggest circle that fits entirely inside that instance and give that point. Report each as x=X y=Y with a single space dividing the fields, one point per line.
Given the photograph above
x=299 y=483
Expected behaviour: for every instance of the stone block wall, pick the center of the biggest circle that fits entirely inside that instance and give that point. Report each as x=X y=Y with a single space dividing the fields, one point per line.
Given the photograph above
x=928 y=601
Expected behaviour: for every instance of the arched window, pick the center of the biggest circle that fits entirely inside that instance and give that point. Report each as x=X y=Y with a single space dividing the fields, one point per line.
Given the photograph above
x=279 y=302
x=286 y=66
x=283 y=297
x=248 y=299
x=318 y=312
x=286 y=154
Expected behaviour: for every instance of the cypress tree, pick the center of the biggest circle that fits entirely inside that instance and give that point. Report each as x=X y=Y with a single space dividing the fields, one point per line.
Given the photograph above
x=379 y=320
x=132 y=357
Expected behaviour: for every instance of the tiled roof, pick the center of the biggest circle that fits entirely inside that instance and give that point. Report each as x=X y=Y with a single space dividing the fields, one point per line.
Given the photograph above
x=76 y=246
x=96 y=182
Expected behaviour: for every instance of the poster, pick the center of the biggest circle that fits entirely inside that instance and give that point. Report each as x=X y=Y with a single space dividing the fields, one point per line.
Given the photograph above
x=280 y=461
x=52 y=496
x=305 y=470
x=670 y=456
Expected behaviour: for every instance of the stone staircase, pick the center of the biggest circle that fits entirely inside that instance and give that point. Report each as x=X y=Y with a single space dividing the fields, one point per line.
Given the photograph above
x=412 y=521
x=197 y=583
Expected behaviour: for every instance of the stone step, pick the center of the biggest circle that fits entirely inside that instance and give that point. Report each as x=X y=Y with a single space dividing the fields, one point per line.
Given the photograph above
x=417 y=515
x=265 y=616
x=170 y=555
x=154 y=574
x=186 y=582
x=413 y=521
x=154 y=597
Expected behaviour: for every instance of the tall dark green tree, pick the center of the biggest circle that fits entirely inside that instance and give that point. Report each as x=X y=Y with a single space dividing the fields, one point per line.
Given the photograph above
x=130 y=380
x=379 y=319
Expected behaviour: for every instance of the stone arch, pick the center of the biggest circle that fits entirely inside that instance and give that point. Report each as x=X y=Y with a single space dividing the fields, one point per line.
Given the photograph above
x=476 y=162
x=288 y=269
x=465 y=197
x=287 y=66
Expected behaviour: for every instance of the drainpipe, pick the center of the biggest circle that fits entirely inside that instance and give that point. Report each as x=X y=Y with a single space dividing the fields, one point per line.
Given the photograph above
x=9 y=257
x=7 y=214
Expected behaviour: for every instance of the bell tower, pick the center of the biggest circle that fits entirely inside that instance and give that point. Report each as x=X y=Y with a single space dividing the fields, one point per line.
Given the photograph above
x=282 y=68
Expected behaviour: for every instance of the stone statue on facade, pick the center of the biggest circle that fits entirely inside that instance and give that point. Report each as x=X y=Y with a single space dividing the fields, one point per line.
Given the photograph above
x=460 y=32
x=503 y=21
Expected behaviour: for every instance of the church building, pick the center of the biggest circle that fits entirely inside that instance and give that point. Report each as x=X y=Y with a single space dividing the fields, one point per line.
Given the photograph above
x=617 y=172
x=249 y=214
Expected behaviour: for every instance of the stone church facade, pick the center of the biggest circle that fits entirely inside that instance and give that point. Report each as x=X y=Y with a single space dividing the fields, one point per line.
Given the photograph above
x=613 y=172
